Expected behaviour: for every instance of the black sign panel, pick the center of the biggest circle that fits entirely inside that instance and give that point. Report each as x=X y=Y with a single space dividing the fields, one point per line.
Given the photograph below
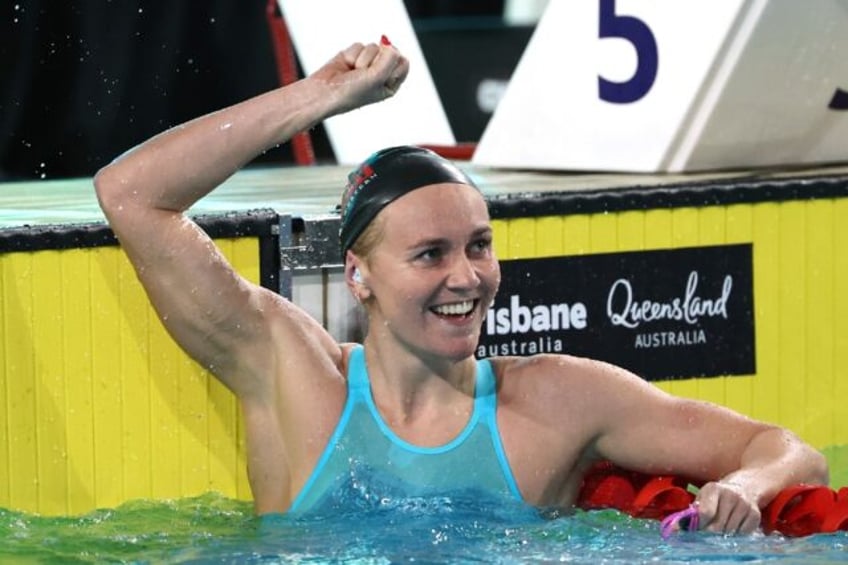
x=666 y=314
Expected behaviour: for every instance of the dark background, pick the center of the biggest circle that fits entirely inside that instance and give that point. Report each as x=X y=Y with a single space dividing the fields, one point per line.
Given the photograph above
x=657 y=275
x=85 y=80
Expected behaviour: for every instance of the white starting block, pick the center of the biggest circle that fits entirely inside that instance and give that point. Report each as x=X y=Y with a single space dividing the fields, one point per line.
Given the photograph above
x=321 y=28
x=676 y=85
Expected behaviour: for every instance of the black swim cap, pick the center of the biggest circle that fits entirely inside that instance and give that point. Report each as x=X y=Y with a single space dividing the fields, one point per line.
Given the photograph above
x=384 y=177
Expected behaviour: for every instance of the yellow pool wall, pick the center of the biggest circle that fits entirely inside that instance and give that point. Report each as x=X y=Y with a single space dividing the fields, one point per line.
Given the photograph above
x=99 y=406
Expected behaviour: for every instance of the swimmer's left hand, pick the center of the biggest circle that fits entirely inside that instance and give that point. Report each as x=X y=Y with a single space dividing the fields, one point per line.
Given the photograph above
x=726 y=508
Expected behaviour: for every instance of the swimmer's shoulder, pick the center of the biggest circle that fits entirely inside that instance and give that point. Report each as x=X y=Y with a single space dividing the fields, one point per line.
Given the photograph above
x=563 y=392
x=542 y=365
x=543 y=371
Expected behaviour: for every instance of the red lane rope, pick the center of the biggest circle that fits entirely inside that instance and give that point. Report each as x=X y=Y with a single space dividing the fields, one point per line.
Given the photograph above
x=796 y=511
x=304 y=153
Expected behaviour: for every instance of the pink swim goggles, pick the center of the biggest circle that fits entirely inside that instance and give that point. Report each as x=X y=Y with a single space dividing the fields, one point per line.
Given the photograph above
x=686 y=519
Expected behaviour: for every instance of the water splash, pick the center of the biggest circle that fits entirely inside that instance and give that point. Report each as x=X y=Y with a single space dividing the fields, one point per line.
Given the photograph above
x=215 y=529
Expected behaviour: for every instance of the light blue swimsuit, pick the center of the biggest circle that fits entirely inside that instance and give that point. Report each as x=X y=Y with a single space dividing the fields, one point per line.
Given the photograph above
x=366 y=460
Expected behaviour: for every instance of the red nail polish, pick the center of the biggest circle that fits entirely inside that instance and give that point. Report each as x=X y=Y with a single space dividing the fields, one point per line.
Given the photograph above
x=384 y=40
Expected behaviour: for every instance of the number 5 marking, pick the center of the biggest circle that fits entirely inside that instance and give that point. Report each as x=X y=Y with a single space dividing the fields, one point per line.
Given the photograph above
x=639 y=34
x=839 y=100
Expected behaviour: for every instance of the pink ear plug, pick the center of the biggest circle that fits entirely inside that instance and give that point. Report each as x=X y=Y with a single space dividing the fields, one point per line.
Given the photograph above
x=687 y=519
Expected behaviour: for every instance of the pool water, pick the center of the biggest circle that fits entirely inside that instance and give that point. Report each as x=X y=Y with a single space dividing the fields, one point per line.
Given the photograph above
x=214 y=529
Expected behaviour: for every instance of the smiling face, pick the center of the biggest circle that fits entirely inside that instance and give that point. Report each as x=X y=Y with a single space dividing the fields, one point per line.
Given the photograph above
x=433 y=274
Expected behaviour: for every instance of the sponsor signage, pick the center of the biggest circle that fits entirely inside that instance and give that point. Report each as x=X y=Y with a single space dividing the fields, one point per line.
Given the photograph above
x=663 y=314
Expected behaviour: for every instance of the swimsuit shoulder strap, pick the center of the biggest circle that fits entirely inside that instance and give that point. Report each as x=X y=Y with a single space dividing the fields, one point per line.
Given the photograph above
x=357 y=374
x=485 y=397
x=486 y=405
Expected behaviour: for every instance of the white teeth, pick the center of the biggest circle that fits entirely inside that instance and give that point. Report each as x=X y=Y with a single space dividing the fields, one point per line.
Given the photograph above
x=457 y=309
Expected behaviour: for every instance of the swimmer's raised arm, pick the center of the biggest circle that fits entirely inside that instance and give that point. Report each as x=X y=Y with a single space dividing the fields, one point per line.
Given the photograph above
x=216 y=316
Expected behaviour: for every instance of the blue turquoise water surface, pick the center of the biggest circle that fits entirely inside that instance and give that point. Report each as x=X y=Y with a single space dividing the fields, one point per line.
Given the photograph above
x=214 y=529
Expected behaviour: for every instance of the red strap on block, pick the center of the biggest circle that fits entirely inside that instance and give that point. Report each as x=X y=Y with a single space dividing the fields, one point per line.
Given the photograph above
x=799 y=510
x=301 y=142
x=612 y=491
x=637 y=494
x=458 y=152
x=606 y=486
x=661 y=496
x=837 y=518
